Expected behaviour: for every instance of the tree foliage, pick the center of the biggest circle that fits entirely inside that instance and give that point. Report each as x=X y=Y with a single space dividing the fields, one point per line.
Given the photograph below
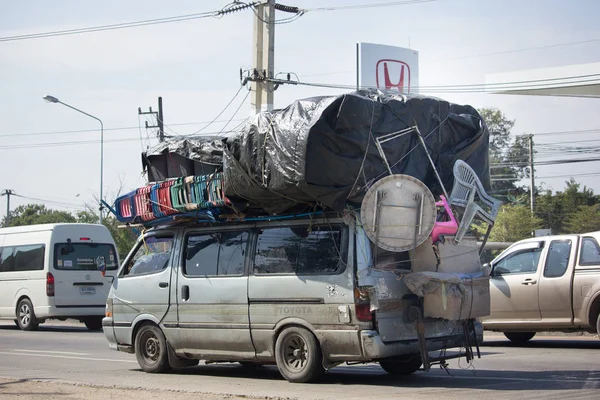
x=514 y=223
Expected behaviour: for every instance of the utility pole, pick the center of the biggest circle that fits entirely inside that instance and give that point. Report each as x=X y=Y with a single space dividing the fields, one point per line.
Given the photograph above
x=7 y=193
x=159 y=119
x=531 y=174
x=263 y=56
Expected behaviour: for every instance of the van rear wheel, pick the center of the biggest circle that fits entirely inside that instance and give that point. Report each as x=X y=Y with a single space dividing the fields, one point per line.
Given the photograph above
x=402 y=366
x=93 y=323
x=151 y=349
x=26 y=319
x=298 y=355
x=519 y=337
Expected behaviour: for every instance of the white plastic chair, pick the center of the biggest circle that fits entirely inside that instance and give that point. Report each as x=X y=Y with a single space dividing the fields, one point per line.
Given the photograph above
x=466 y=186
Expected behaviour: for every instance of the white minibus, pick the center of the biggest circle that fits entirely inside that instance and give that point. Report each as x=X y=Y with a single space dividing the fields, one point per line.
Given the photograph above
x=49 y=271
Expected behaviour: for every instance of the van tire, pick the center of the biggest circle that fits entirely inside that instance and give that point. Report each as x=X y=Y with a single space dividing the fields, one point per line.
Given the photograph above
x=519 y=337
x=26 y=319
x=93 y=323
x=598 y=325
x=402 y=366
x=151 y=349
x=298 y=355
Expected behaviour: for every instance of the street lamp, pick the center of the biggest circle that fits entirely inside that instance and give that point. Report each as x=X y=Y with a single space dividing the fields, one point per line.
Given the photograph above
x=52 y=99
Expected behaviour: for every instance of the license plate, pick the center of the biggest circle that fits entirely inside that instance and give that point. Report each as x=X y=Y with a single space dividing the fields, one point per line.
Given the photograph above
x=87 y=290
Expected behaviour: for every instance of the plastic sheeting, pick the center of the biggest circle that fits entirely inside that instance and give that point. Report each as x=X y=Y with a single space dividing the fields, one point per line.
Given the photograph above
x=322 y=150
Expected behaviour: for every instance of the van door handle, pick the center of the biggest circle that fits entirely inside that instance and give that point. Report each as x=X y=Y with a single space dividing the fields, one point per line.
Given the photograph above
x=529 y=282
x=163 y=284
x=185 y=292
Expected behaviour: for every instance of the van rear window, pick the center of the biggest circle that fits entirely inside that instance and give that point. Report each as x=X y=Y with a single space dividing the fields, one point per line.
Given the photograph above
x=301 y=250
x=82 y=256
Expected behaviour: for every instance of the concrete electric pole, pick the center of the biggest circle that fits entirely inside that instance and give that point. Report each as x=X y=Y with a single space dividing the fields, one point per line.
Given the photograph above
x=531 y=174
x=263 y=58
x=159 y=119
x=7 y=193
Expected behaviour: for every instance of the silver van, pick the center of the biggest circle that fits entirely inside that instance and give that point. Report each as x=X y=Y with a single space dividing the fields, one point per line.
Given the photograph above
x=294 y=292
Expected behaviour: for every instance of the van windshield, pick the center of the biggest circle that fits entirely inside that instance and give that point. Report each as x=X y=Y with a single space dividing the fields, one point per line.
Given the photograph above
x=82 y=256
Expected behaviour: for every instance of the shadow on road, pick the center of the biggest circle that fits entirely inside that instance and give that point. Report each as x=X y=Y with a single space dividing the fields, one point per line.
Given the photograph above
x=592 y=343
x=373 y=375
x=52 y=328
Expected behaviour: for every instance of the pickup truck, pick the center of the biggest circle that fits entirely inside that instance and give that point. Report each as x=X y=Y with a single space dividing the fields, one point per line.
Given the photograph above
x=549 y=283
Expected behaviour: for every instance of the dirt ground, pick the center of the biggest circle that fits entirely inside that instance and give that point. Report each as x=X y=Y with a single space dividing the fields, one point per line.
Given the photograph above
x=25 y=389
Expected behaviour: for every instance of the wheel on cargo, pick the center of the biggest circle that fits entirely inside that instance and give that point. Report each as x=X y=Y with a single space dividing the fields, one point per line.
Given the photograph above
x=402 y=366
x=298 y=355
x=519 y=337
x=93 y=323
x=151 y=349
x=26 y=319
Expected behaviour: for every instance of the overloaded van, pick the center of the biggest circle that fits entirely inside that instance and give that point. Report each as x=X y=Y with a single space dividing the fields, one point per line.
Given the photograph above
x=49 y=272
x=296 y=292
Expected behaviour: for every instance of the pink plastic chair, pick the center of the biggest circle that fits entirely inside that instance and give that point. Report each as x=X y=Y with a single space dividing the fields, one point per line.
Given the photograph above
x=444 y=227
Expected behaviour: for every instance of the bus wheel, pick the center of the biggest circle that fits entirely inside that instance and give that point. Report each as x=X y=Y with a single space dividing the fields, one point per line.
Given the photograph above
x=26 y=316
x=298 y=355
x=151 y=349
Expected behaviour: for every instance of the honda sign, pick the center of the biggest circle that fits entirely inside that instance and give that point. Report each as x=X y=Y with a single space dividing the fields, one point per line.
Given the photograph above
x=388 y=67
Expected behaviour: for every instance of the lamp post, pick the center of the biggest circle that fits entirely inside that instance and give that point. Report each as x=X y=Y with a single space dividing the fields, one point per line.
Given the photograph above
x=52 y=99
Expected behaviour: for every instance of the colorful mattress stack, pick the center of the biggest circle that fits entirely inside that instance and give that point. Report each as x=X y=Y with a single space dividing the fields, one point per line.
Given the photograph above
x=171 y=197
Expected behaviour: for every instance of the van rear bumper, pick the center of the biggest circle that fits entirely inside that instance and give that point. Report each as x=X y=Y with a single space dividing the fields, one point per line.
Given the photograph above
x=44 y=312
x=375 y=348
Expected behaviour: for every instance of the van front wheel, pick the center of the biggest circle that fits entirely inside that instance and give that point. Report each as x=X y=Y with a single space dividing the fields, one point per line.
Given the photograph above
x=151 y=349
x=26 y=319
x=298 y=355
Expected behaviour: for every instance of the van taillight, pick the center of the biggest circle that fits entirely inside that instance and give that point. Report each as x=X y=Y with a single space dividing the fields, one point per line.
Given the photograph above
x=109 y=308
x=362 y=305
x=49 y=284
x=363 y=312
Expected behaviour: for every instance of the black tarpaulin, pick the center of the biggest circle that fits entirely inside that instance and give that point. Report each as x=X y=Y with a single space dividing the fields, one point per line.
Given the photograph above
x=322 y=150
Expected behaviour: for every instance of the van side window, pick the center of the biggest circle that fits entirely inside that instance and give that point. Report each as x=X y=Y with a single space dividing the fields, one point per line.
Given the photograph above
x=22 y=258
x=524 y=261
x=152 y=255
x=300 y=250
x=215 y=254
x=6 y=259
x=557 y=259
x=590 y=252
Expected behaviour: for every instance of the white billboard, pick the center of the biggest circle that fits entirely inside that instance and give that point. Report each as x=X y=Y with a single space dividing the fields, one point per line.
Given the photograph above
x=387 y=67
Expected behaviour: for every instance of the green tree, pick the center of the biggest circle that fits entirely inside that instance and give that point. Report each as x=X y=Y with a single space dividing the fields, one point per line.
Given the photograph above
x=32 y=214
x=585 y=219
x=507 y=156
x=514 y=223
x=556 y=209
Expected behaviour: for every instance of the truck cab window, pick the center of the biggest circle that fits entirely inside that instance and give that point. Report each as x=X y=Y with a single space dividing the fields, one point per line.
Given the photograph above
x=590 y=252
x=524 y=261
x=558 y=258
x=152 y=255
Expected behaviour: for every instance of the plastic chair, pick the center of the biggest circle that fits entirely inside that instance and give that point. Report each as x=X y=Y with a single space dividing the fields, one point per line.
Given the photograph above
x=125 y=208
x=466 y=186
x=444 y=227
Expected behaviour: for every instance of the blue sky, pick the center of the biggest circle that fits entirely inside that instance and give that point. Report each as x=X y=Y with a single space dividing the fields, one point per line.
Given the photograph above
x=194 y=65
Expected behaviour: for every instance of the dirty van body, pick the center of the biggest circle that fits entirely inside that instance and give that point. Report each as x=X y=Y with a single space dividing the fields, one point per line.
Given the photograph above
x=296 y=293
x=547 y=283
x=48 y=271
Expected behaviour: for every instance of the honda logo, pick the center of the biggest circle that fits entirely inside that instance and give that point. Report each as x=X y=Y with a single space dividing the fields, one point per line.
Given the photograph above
x=393 y=74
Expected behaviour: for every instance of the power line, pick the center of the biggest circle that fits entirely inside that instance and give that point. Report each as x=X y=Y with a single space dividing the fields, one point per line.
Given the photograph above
x=59 y=203
x=222 y=111
x=374 y=5
x=230 y=8
x=125 y=128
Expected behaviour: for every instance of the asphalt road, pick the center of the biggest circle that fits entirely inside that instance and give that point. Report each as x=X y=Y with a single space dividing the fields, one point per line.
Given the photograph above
x=548 y=367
